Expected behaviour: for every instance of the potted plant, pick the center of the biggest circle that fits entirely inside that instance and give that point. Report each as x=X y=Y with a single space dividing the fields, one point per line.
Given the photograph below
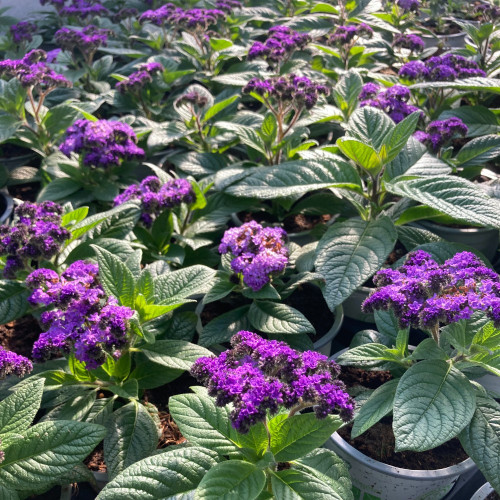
x=432 y=395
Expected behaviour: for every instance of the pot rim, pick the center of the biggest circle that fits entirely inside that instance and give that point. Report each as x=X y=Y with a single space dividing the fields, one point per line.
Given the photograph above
x=483 y=492
x=449 y=229
x=332 y=332
x=400 y=472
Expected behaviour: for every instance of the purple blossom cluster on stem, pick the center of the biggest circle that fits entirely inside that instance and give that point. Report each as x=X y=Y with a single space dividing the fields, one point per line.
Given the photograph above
x=156 y=197
x=425 y=294
x=259 y=376
x=393 y=100
x=83 y=9
x=408 y=41
x=347 y=35
x=13 y=364
x=102 y=143
x=228 y=5
x=87 y=40
x=408 y=5
x=22 y=32
x=125 y=13
x=445 y=68
x=58 y=4
x=279 y=46
x=487 y=11
x=440 y=132
x=290 y=92
x=36 y=235
x=259 y=253
x=137 y=80
x=82 y=320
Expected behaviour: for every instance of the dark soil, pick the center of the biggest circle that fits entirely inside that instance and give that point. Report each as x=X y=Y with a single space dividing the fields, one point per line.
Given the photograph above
x=493 y=496
x=25 y=192
x=309 y=300
x=20 y=335
x=378 y=441
x=394 y=256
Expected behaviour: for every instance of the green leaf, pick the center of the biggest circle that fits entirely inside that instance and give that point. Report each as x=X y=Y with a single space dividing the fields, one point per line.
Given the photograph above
x=351 y=252
x=231 y=480
x=219 y=106
x=362 y=154
x=203 y=423
x=347 y=90
x=173 y=474
x=327 y=466
x=132 y=435
x=177 y=354
x=433 y=403
x=74 y=216
x=173 y=287
x=400 y=135
x=58 y=189
x=115 y=276
x=6 y=494
x=221 y=288
x=222 y=328
x=48 y=452
x=18 y=410
x=479 y=119
x=371 y=126
x=453 y=196
x=147 y=312
x=273 y=317
x=367 y=355
x=478 y=151
x=481 y=439
x=255 y=439
x=377 y=406
x=74 y=409
x=297 y=177
x=300 y=485
x=467 y=84
x=293 y=437
x=387 y=323
x=13 y=300
x=100 y=411
x=269 y=128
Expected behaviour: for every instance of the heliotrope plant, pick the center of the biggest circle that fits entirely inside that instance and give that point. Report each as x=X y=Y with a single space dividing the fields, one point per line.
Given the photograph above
x=259 y=443
x=433 y=396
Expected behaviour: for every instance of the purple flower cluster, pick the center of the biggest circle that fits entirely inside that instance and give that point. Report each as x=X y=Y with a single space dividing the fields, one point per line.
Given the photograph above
x=299 y=91
x=22 y=32
x=409 y=5
x=424 y=294
x=445 y=68
x=12 y=363
x=155 y=197
x=36 y=235
x=344 y=35
x=258 y=252
x=32 y=71
x=83 y=320
x=88 y=40
x=408 y=41
x=194 y=98
x=191 y=20
x=58 y=4
x=439 y=132
x=139 y=79
x=258 y=376
x=228 y=5
x=83 y=9
x=279 y=45
x=102 y=143
x=393 y=100
x=488 y=11
x=124 y=13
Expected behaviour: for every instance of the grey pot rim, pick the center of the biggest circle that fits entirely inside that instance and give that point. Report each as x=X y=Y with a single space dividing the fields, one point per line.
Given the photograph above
x=400 y=472
x=9 y=202
x=332 y=332
x=483 y=492
x=448 y=229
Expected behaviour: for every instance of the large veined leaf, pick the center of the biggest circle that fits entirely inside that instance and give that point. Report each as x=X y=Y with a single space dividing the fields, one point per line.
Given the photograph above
x=362 y=154
x=18 y=410
x=222 y=328
x=296 y=484
x=479 y=120
x=273 y=317
x=347 y=90
x=350 y=252
x=178 y=285
x=115 y=276
x=13 y=300
x=293 y=437
x=481 y=439
x=203 y=423
x=327 y=466
x=132 y=436
x=433 y=403
x=478 y=151
x=177 y=354
x=47 y=453
x=296 y=177
x=452 y=196
x=230 y=480
x=174 y=474
x=6 y=494
x=377 y=406
x=371 y=126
